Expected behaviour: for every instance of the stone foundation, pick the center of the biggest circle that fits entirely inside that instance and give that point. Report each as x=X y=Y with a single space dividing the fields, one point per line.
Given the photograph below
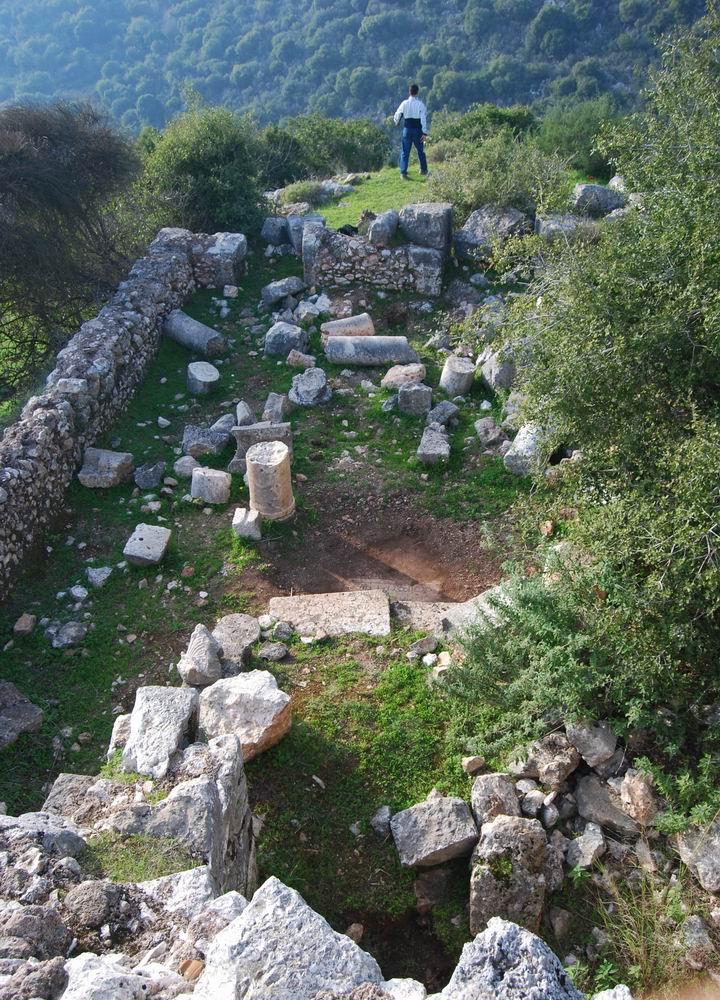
x=95 y=376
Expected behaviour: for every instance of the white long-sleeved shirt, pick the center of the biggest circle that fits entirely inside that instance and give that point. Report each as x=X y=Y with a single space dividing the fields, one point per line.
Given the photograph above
x=413 y=107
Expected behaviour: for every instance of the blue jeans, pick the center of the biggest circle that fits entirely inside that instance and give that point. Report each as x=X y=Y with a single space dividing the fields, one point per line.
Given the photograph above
x=412 y=137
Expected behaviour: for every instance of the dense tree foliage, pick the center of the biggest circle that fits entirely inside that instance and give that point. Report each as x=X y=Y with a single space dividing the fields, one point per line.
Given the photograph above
x=334 y=57
x=620 y=349
x=60 y=169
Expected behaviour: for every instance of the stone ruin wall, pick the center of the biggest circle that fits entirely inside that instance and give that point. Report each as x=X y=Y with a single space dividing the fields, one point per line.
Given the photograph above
x=95 y=376
x=332 y=260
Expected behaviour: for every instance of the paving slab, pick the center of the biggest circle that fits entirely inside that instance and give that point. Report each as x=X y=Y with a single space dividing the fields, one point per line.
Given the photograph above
x=363 y=611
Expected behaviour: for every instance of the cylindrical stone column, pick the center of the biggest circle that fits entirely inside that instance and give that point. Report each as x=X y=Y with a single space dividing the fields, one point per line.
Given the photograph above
x=268 y=476
x=457 y=376
x=202 y=377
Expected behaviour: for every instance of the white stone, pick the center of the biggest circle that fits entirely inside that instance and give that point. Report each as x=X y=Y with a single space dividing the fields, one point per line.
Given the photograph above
x=187 y=892
x=280 y=949
x=586 y=849
x=236 y=634
x=201 y=377
x=148 y=545
x=523 y=456
x=95 y=977
x=211 y=485
x=269 y=480
x=247 y=524
x=200 y=664
x=434 y=831
x=400 y=375
x=159 y=726
x=98 y=576
x=102 y=469
x=184 y=467
x=457 y=376
x=250 y=706
x=356 y=611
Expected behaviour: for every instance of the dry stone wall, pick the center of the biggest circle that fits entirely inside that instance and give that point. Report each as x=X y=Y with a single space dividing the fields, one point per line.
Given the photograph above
x=95 y=376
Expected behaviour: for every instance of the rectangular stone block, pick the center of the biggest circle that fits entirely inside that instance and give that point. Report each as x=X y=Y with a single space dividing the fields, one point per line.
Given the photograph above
x=362 y=611
x=251 y=434
x=147 y=545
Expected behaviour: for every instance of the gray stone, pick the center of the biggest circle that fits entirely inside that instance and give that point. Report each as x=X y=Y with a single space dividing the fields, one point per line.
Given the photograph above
x=150 y=475
x=461 y=294
x=252 y=434
x=197 y=337
x=282 y=338
x=369 y=351
x=250 y=706
x=490 y=435
x=247 y=524
x=55 y=833
x=148 y=545
x=586 y=849
x=279 y=949
x=243 y=415
x=552 y=759
x=91 y=903
x=69 y=635
x=18 y=715
x=224 y=424
x=428 y=225
x=199 y=441
x=236 y=634
x=189 y=892
x=383 y=228
x=484 y=228
x=598 y=804
x=444 y=413
x=434 y=446
x=427 y=267
x=277 y=291
x=275 y=231
x=296 y=359
x=595 y=743
x=511 y=411
x=415 y=400
x=506 y=962
x=310 y=388
x=40 y=926
x=365 y=612
x=457 y=376
x=434 y=831
x=299 y=227
x=493 y=795
x=699 y=849
x=497 y=368
x=200 y=664
x=102 y=469
x=202 y=378
x=211 y=485
x=555 y=227
x=380 y=821
x=508 y=873
x=159 y=727
x=525 y=453
x=98 y=576
x=273 y=651
x=596 y=200
x=276 y=408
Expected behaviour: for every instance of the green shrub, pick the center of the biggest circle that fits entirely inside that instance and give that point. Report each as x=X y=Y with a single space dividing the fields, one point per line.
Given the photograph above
x=310 y=191
x=503 y=170
x=572 y=129
x=481 y=121
x=335 y=145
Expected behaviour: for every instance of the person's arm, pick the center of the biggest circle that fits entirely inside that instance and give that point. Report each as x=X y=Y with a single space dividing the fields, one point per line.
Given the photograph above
x=423 y=120
x=399 y=113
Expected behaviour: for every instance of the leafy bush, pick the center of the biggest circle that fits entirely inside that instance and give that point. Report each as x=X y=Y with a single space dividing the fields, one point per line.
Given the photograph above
x=332 y=145
x=310 y=191
x=572 y=130
x=481 y=121
x=202 y=173
x=502 y=170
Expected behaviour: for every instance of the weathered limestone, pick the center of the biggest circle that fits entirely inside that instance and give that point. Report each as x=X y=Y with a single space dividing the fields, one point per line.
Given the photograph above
x=18 y=715
x=102 y=469
x=296 y=359
x=247 y=524
x=493 y=795
x=699 y=849
x=369 y=351
x=457 y=376
x=200 y=663
x=554 y=227
x=149 y=476
x=485 y=227
x=199 y=441
x=276 y=408
x=594 y=743
x=276 y=291
x=275 y=231
x=497 y=368
x=415 y=400
x=269 y=480
x=508 y=873
x=383 y=228
x=236 y=634
x=597 y=804
x=488 y=432
x=428 y=225
x=249 y=706
x=195 y=336
x=524 y=455
x=434 y=447
x=211 y=485
x=247 y=436
x=185 y=466
x=148 y=545
x=310 y=388
x=363 y=611
x=351 y=326
x=434 y=831
x=282 y=338
x=160 y=726
x=400 y=375
x=585 y=850
x=202 y=378
x=596 y=200
x=299 y=226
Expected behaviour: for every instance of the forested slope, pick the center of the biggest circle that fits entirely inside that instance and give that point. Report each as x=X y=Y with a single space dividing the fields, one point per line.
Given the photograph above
x=337 y=57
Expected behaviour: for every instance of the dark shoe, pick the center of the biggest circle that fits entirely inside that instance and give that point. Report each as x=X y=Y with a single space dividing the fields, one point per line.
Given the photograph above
x=405 y=177
x=425 y=173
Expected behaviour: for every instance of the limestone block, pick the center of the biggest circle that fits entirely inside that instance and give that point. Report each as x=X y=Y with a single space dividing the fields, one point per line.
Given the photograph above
x=202 y=378
x=351 y=326
x=434 y=831
x=524 y=455
x=365 y=612
x=457 y=376
x=236 y=634
x=434 y=446
x=400 y=375
x=310 y=388
x=148 y=545
x=198 y=441
x=276 y=291
x=211 y=485
x=269 y=480
x=415 y=400
x=282 y=338
x=249 y=706
x=428 y=225
x=247 y=524
x=276 y=408
x=200 y=664
x=102 y=469
x=159 y=726
x=246 y=437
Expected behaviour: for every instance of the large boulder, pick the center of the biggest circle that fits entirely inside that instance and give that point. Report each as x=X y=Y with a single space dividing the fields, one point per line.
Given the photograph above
x=506 y=962
x=439 y=829
x=280 y=949
x=524 y=455
x=486 y=226
x=251 y=706
x=596 y=200
x=18 y=715
x=508 y=873
x=159 y=727
x=493 y=795
x=428 y=225
x=277 y=291
x=102 y=468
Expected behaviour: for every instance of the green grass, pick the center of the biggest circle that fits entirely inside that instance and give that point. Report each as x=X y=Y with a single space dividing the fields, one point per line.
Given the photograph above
x=137 y=858
x=385 y=189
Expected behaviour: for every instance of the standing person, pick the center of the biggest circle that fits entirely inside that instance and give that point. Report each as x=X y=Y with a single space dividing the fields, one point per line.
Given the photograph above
x=415 y=130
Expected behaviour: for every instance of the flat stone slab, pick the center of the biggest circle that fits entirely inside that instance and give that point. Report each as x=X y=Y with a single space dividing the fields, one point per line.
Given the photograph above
x=18 y=715
x=361 y=611
x=422 y=616
x=434 y=831
x=103 y=469
x=369 y=351
x=147 y=545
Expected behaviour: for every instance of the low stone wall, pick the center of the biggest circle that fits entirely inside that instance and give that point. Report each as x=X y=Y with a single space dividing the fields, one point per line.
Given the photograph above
x=332 y=260
x=95 y=377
